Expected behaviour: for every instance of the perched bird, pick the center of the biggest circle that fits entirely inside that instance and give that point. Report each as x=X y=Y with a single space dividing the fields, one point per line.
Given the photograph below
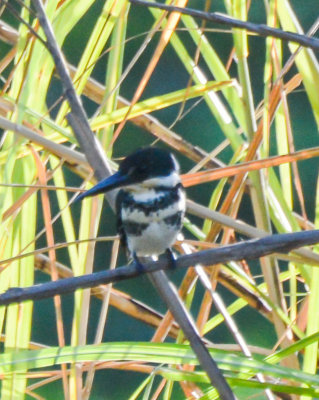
x=151 y=203
x=150 y=207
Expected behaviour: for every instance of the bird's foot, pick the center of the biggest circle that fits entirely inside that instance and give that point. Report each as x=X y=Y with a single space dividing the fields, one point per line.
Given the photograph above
x=171 y=258
x=139 y=266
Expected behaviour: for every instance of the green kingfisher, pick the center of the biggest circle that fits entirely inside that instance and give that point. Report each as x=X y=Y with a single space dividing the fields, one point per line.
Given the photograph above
x=150 y=204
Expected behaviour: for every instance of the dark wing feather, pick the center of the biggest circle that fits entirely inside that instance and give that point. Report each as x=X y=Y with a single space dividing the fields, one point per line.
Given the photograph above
x=119 y=223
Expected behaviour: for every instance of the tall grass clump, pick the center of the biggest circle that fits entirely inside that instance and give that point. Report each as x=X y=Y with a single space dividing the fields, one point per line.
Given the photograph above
x=241 y=113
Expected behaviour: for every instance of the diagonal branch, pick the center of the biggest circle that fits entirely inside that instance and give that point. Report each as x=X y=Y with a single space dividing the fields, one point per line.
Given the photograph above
x=250 y=249
x=261 y=29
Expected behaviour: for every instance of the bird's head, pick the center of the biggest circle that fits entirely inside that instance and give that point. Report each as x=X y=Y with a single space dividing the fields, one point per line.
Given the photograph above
x=148 y=167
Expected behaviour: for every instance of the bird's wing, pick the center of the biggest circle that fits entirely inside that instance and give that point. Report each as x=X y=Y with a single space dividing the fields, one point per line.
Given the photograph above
x=119 y=223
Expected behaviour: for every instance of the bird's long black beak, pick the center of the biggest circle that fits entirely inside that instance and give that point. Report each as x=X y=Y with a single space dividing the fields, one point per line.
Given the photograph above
x=112 y=182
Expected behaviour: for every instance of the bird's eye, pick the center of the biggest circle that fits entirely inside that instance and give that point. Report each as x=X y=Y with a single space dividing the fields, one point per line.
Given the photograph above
x=142 y=168
x=131 y=171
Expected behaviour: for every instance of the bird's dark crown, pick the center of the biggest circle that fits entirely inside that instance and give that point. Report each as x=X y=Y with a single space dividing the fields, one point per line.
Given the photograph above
x=147 y=163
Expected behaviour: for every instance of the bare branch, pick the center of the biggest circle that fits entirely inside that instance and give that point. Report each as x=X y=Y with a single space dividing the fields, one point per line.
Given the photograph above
x=78 y=118
x=261 y=29
x=251 y=249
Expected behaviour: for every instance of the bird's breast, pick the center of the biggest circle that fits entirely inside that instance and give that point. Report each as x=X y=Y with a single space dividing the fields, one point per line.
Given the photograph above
x=151 y=219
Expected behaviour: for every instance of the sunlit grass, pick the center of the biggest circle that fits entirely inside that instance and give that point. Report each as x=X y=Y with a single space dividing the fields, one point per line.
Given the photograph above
x=257 y=138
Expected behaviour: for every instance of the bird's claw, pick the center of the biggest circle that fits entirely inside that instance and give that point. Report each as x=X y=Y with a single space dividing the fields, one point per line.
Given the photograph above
x=171 y=259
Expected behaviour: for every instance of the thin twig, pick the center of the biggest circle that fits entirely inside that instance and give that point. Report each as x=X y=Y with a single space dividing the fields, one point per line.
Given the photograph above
x=20 y=19
x=77 y=118
x=261 y=29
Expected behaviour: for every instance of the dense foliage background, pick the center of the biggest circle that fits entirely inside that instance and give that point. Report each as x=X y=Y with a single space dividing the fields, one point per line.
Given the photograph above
x=215 y=97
